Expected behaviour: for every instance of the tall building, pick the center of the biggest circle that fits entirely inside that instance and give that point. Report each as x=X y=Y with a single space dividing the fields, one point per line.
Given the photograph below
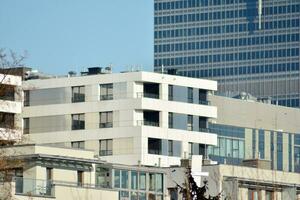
x=130 y=118
x=246 y=45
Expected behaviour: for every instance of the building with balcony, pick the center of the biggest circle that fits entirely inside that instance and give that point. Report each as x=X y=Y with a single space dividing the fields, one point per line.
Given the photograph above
x=134 y=118
x=249 y=129
x=64 y=173
x=10 y=109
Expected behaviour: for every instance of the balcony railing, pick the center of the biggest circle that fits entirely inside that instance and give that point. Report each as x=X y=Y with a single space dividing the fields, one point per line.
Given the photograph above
x=106 y=125
x=78 y=98
x=204 y=102
x=34 y=187
x=105 y=152
x=147 y=123
x=106 y=97
x=147 y=95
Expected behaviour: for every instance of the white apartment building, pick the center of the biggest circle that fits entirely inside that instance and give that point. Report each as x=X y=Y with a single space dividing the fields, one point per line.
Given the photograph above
x=10 y=108
x=130 y=118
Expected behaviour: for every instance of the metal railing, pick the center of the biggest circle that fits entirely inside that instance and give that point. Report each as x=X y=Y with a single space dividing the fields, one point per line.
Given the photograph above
x=106 y=97
x=105 y=152
x=106 y=125
x=147 y=95
x=147 y=123
x=34 y=187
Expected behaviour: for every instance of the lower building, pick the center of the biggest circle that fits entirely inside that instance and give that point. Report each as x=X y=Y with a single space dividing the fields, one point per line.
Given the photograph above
x=41 y=172
x=249 y=183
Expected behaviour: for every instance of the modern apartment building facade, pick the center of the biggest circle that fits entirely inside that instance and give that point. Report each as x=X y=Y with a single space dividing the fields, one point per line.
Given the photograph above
x=247 y=46
x=10 y=109
x=134 y=118
x=254 y=130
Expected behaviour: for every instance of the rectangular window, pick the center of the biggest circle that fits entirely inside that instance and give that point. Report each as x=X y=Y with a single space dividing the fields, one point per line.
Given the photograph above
x=261 y=144
x=7 y=120
x=190 y=95
x=26 y=98
x=80 y=178
x=134 y=180
x=106 y=91
x=190 y=122
x=191 y=149
x=170 y=119
x=78 y=122
x=154 y=146
x=142 y=180
x=77 y=145
x=117 y=178
x=26 y=126
x=279 y=151
x=124 y=179
x=151 y=181
x=170 y=148
x=170 y=91
x=106 y=119
x=78 y=94
x=105 y=147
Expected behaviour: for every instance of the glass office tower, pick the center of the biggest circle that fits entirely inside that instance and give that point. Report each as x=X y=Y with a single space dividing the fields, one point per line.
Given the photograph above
x=246 y=45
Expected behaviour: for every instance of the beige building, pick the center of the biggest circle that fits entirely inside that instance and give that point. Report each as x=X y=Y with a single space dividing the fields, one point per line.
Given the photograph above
x=64 y=173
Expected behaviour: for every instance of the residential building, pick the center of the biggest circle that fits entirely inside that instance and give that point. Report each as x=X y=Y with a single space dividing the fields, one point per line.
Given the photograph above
x=249 y=129
x=66 y=173
x=10 y=109
x=246 y=45
x=133 y=118
x=241 y=182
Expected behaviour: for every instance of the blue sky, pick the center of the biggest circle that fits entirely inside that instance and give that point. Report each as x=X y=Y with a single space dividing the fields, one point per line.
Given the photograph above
x=64 y=35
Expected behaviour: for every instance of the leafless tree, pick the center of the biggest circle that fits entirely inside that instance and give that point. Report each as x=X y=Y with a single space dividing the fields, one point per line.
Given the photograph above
x=9 y=61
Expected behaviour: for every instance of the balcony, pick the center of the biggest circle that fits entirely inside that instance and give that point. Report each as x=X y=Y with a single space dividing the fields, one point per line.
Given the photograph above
x=147 y=95
x=106 y=125
x=33 y=187
x=106 y=97
x=147 y=123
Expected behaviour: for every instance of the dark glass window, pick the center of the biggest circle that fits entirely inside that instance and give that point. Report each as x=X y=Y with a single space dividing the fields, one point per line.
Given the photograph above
x=105 y=147
x=154 y=146
x=106 y=91
x=77 y=145
x=78 y=94
x=106 y=119
x=170 y=148
x=279 y=151
x=26 y=126
x=78 y=121
x=261 y=144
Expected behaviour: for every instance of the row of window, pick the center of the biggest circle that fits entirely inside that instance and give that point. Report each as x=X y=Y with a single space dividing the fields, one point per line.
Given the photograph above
x=231 y=71
x=164 y=147
x=229 y=57
x=187 y=122
x=237 y=42
x=221 y=29
x=78 y=121
x=193 y=3
x=187 y=94
x=105 y=146
x=230 y=14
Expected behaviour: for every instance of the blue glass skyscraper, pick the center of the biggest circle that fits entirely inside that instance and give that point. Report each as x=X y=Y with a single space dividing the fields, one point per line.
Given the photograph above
x=246 y=45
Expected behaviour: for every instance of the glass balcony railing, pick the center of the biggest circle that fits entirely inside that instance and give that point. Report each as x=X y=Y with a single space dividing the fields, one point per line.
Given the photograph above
x=106 y=97
x=147 y=95
x=34 y=187
x=106 y=125
x=147 y=123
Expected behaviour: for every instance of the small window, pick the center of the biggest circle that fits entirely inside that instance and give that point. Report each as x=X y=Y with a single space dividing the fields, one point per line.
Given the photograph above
x=78 y=122
x=7 y=120
x=106 y=91
x=78 y=145
x=80 y=178
x=170 y=148
x=190 y=95
x=106 y=119
x=26 y=126
x=78 y=94
x=170 y=90
x=105 y=147
x=171 y=117
x=26 y=98
x=190 y=122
